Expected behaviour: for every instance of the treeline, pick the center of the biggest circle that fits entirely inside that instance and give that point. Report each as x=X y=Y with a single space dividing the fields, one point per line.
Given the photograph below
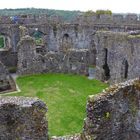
x=67 y=15
x=98 y=12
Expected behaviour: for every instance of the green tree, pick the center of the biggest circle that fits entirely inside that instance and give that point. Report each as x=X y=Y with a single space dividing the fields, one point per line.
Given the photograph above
x=104 y=12
x=89 y=13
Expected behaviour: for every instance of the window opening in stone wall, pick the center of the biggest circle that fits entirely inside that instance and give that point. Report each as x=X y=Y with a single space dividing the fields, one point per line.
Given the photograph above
x=124 y=69
x=38 y=37
x=55 y=30
x=105 y=66
x=2 y=40
x=66 y=43
x=24 y=64
x=66 y=36
x=39 y=50
x=43 y=60
x=76 y=30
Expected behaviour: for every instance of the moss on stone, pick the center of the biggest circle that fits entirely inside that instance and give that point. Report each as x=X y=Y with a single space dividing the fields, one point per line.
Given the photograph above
x=107 y=115
x=134 y=36
x=133 y=110
x=137 y=84
x=91 y=98
x=39 y=42
x=92 y=66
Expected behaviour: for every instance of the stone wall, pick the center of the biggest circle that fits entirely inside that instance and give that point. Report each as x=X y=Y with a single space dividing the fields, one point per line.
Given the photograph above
x=22 y=118
x=43 y=18
x=72 y=61
x=78 y=37
x=117 y=56
x=4 y=78
x=114 y=114
x=57 y=38
x=27 y=62
x=79 y=31
x=67 y=59
x=109 y=19
x=8 y=58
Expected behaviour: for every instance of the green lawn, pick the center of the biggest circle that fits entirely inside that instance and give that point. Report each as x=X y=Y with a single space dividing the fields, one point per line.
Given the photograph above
x=65 y=96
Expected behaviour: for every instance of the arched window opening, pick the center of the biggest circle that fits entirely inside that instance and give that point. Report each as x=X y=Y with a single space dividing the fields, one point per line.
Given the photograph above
x=66 y=36
x=38 y=38
x=66 y=43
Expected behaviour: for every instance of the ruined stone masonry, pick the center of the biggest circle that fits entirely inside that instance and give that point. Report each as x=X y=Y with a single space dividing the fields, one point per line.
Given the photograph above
x=35 y=44
x=23 y=119
x=6 y=81
x=26 y=56
x=73 y=47
x=114 y=114
x=35 y=59
x=118 y=56
x=115 y=54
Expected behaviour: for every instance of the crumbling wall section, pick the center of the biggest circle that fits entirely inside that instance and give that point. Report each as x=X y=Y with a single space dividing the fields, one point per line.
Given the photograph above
x=72 y=61
x=67 y=59
x=22 y=118
x=4 y=78
x=114 y=114
x=78 y=36
x=117 y=56
x=27 y=59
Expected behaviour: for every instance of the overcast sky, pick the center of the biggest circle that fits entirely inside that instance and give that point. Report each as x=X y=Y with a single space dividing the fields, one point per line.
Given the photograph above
x=116 y=6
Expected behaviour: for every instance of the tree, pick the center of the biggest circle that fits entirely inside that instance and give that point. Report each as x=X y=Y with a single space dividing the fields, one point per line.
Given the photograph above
x=89 y=13
x=103 y=12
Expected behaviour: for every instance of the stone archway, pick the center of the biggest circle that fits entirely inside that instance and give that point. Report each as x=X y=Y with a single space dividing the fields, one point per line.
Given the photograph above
x=66 y=43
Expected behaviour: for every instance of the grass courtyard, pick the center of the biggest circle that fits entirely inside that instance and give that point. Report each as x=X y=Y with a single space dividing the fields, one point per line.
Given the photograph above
x=65 y=96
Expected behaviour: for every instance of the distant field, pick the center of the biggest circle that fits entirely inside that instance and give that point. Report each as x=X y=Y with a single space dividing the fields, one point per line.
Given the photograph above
x=65 y=96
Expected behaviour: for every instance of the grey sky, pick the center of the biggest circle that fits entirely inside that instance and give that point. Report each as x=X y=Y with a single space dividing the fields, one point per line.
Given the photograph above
x=117 y=6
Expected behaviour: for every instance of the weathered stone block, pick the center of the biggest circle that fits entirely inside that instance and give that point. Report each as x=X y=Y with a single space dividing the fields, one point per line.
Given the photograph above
x=23 y=119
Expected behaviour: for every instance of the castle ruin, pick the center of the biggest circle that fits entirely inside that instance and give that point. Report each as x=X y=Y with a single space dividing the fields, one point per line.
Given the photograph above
x=110 y=44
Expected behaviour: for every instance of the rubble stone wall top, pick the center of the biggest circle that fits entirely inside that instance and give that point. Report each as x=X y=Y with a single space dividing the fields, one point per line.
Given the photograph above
x=114 y=114
x=22 y=118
